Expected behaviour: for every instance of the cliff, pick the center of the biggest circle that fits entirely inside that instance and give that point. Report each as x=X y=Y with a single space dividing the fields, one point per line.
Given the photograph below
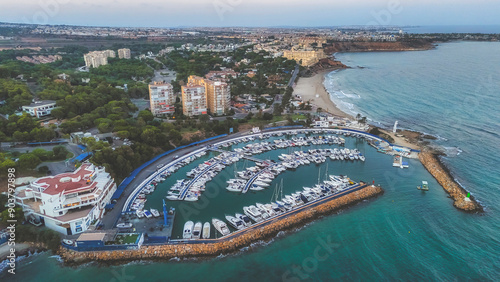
x=225 y=245
x=322 y=65
x=369 y=46
x=432 y=163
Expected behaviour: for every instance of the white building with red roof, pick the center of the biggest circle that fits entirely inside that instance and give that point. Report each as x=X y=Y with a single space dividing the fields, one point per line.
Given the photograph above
x=69 y=202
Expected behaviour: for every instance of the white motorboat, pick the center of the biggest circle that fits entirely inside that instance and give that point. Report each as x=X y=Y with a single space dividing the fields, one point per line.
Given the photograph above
x=139 y=213
x=197 y=230
x=235 y=222
x=261 y=184
x=155 y=212
x=188 y=230
x=221 y=226
x=253 y=213
x=246 y=221
x=206 y=230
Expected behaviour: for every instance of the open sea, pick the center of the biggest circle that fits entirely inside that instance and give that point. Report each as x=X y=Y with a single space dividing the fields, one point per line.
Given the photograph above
x=453 y=93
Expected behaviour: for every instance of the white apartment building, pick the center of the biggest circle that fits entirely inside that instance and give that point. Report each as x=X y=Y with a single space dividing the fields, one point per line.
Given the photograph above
x=194 y=100
x=40 y=108
x=124 y=53
x=96 y=59
x=69 y=202
x=161 y=98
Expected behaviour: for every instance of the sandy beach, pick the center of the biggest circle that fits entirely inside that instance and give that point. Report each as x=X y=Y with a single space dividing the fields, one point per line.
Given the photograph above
x=309 y=87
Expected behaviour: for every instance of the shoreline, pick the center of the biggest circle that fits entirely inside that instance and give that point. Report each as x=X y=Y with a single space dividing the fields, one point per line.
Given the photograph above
x=429 y=157
x=223 y=246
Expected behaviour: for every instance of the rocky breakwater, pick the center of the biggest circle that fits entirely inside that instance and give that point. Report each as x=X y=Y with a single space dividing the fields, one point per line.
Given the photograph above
x=432 y=163
x=226 y=245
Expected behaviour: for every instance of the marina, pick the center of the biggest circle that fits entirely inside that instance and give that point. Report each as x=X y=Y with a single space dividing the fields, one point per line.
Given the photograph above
x=251 y=166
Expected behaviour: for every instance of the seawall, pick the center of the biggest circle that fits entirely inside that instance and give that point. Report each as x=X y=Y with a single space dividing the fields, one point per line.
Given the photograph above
x=435 y=167
x=224 y=245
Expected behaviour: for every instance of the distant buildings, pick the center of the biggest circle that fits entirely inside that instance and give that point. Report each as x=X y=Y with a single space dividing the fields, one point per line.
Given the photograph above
x=305 y=57
x=69 y=202
x=124 y=53
x=40 y=59
x=40 y=108
x=217 y=94
x=96 y=59
x=161 y=98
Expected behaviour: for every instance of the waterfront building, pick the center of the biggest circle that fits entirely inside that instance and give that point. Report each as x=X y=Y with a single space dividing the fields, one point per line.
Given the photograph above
x=194 y=99
x=124 y=53
x=68 y=203
x=161 y=98
x=40 y=108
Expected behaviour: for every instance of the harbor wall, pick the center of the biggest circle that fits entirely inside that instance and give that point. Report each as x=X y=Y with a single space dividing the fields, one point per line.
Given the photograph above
x=225 y=245
x=432 y=163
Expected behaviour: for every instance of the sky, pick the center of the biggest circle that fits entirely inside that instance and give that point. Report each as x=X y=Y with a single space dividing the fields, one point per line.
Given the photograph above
x=177 y=13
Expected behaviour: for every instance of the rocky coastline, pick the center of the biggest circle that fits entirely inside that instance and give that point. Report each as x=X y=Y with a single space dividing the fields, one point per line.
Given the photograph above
x=221 y=246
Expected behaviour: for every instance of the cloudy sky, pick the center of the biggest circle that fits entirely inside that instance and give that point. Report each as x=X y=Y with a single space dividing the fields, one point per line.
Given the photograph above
x=174 y=13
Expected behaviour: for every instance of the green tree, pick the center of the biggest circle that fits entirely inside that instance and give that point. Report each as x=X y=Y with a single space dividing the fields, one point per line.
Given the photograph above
x=146 y=115
x=28 y=161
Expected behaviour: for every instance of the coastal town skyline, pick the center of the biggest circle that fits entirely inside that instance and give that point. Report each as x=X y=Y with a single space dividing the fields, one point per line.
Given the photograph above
x=227 y=13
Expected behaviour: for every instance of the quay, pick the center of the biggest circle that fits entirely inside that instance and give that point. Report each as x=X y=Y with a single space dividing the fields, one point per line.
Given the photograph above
x=234 y=241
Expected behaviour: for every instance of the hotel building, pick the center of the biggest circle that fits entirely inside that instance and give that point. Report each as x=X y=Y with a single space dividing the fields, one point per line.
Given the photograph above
x=161 y=98
x=69 y=202
x=40 y=108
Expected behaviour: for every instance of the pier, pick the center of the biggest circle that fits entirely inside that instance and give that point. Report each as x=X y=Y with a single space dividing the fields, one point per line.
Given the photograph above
x=184 y=191
x=234 y=241
x=242 y=156
x=252 y=179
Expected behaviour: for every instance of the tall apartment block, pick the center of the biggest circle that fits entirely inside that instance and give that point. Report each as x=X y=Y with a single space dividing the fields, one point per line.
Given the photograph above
x=96 y=59
x=218 y=95
x=194 y=99
x=124 y=53
x=161 y=98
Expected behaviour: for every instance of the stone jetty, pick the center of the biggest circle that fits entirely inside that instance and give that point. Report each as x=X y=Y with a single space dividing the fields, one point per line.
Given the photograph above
x=225 y=245
x=432 y=163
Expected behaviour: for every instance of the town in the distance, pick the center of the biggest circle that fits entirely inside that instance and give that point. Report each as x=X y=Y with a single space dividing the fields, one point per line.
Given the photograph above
x=115 y=139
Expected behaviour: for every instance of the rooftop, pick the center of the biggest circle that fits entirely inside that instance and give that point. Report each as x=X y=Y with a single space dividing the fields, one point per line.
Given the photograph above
x=68 y=182
x=41 y=103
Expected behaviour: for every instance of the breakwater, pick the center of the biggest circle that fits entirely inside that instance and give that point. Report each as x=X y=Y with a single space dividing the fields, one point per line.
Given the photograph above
x=435 y=167
x=225 y=245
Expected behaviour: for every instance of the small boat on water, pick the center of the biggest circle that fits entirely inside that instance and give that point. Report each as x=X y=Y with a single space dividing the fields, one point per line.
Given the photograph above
x=206 y=230
x=197 y=230
x=155 y=212
x=139 y=213
x=221 y=226
x=188 y=230
x=424 y=187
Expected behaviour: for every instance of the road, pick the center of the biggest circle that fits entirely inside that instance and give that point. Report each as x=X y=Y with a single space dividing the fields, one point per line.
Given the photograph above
x=294 y=76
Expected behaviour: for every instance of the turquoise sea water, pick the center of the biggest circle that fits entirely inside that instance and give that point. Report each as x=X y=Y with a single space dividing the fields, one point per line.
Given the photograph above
x=452 y=92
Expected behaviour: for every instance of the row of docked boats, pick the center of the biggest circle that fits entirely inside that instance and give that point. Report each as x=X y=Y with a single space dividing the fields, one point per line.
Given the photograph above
x=147 y=213
x=259 y=177
x=196 y=230
x=191 y=189
x=279 y=205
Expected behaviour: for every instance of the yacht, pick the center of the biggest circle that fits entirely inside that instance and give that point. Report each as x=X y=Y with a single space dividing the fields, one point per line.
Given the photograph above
x=220 y=226
x=188 y=230
x=246 y=221
x=148 y=214
x=253 y=213
x=197 y=230
x=206 y=230
x=235 y=222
